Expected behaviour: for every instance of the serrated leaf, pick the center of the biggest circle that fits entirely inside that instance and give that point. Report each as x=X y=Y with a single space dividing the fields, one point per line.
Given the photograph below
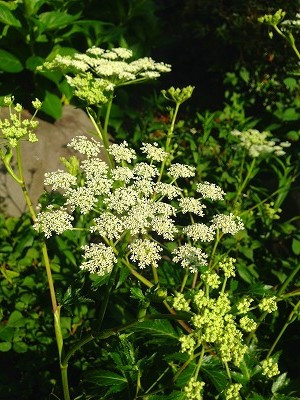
x=105 y=378
x=9 y=62
x=212 y=368
x=279 y=383
x=137 y=293
x=157 y=328
x=52 y=105
x=175 y=395
x=6 y=17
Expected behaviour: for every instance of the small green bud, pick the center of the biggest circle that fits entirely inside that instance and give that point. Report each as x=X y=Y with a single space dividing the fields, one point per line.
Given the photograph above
x=71 y=164
x=37 y=104
x=18 y=108
x=8 y=100
x=177 y=95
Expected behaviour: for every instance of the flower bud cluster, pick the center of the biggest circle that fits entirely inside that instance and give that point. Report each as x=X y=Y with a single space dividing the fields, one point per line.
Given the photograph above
x=269 y=368
x=193 y=390
x=233 y=391
x=15 y=128
x=268 y=304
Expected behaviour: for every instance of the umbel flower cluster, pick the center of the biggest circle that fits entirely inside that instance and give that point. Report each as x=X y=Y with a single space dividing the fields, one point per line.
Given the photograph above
x=14 y=129
x=131 y=200
x=259 y=143
x=95 y=74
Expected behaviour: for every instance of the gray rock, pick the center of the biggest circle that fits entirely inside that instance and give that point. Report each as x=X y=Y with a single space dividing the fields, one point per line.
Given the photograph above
x=42 y=156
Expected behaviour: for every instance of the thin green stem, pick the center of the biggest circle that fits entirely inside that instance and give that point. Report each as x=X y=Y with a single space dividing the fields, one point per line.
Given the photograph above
x=288 y=280
x=106 y=120
x=288 y=322
x=184 y=280
x=199 y=362
x=168 y=142
x=224 y=285
x=227 y=370
x=218 y=238
x=246 y=180
x=155 y=274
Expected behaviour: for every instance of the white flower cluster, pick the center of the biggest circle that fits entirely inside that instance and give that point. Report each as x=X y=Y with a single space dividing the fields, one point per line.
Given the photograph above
x=258 y=143
x=53 y=220
x=145 y=252
x=131 y=201
x=210 y=191
x=228 y=223
x=100 y=259
x=95 y=74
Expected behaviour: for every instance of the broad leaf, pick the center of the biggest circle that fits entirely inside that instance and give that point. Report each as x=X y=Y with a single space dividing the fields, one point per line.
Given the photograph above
x=6 y=17
x=172 y=396
x=52 y=105
x=52 y=20
x=9 y=62
x=105 y=378
x=212 y=368
x=157 y=328
x=5 y=346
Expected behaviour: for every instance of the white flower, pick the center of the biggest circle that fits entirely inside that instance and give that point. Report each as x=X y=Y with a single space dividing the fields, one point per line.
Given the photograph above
x=164 y=227
x=89 y=147
x=181 y=171
x=258 y=143
x=190 y=257
x=191 y=205
x=59 y=179
x=168 y=190
x=228 y=223
x=100 y=259
x=123 y=174
x=210 y=191
x=145 y=252
x=122 y=199
x=121 y=152
x=153 y=152
x=145 y=170
x=81 y=197
x=108 y=225
x=94 y=168
x=52 y=220
x=200 y=232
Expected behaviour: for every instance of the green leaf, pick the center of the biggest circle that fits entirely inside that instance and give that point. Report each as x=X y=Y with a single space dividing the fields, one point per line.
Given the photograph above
x=52 y=20
x=20 y=347
x=290 y=83
x=296 y=246
x=52 y=105
x=5 y=346
x=212 y=368
x=290 y=114
x=280 y=382
x=33 y=62
x=15 y=320
x=9 y=62
x=172 y=396
x=7 y=18
x=105 y=378
x=6 y=333
x=157 y=328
